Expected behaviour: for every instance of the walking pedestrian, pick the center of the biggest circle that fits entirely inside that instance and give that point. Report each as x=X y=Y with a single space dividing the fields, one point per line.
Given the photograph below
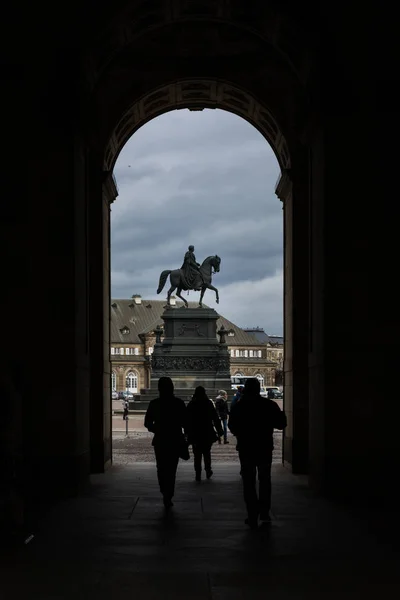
x=203 y=428
x=166 y=418
x=221 y=404
x=237 y=396
x=252 y=421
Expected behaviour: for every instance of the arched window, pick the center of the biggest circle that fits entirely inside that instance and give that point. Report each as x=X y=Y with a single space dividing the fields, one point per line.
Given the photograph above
x=113 y=380
x=260 y=379
x=239 y=375
x=131 y=382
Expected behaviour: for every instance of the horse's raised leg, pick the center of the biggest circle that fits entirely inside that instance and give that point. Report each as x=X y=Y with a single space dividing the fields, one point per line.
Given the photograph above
x=211 y=287
x=178 y=293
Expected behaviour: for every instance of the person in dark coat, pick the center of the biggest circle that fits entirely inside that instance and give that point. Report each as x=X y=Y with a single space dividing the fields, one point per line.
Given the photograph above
x=253 y=420
x=125 y=406
x=166 y=418
x=237 y=396
x=221 y=404
x=203 y=429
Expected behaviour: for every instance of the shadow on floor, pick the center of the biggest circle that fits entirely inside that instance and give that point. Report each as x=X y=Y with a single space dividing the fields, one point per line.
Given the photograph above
x=116 y=541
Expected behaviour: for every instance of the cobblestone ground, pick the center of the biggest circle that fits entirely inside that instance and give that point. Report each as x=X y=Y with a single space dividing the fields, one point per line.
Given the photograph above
x=137 y=446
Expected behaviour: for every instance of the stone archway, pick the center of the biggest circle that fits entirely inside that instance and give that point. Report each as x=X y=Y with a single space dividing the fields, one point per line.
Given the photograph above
x=198 y=94
x=339 y=118
x=129 y=65
x=192 y=75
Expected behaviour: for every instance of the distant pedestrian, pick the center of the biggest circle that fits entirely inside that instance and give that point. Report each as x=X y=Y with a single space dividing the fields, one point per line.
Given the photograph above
x=166 y=418
x=203 y=429
x=221 y=404
x=252 y=421
x=237 y=396
x=125 y=406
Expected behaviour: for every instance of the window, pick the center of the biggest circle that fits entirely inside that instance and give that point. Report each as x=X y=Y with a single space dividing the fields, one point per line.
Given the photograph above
x=231 y=333
x=150 y=350
x=112 y=350
x=117 y=350
x=237 y=353
x=113 y=380
x=136 y=351
x=259 y=353
x=130 y=351
x=131 y=382
x=251 y=353
x=246 y=354
x=232 y=353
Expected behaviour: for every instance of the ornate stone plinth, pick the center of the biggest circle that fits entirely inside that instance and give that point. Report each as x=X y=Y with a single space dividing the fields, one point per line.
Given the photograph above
x=191 y=353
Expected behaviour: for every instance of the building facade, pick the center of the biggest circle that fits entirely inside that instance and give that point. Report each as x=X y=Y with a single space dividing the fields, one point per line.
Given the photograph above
x=275 y=350
x=133 y=322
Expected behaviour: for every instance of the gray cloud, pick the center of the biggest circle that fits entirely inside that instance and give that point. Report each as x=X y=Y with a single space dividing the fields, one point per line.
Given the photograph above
x=203 y=178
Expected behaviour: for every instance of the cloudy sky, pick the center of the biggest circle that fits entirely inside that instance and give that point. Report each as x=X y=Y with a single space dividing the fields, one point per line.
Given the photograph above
x=203 y=178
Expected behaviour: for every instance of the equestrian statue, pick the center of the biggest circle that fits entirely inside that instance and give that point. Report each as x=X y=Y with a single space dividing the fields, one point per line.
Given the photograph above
x=191 y=276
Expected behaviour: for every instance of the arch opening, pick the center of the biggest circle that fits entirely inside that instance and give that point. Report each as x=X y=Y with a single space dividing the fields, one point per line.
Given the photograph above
x=265 y=93
x=149 y=157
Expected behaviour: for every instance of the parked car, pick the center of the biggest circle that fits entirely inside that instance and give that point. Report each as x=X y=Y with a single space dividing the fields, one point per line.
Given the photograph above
x=128 y=395
x=276 y=392
x=114 y=395
x=121 y=395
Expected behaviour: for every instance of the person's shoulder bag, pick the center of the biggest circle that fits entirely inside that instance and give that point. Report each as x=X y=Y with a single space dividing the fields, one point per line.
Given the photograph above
x=184 y=449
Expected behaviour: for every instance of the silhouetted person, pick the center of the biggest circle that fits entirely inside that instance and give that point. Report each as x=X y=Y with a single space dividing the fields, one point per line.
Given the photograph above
x=203 y=429
x=252 y=421
x=125 y=406
x=237 y=396
x=221 y=404
x=166 y=418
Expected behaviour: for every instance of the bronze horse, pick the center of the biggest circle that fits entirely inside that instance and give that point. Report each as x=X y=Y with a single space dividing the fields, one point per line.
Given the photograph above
x=203 y=281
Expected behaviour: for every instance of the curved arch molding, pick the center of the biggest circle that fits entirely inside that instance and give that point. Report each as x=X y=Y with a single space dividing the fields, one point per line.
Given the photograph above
x=195 y=95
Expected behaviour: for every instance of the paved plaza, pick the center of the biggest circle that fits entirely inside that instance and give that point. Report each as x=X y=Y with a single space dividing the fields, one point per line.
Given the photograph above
x=136 y=447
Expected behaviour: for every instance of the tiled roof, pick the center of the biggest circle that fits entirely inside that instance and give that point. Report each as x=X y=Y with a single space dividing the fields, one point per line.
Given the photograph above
x=144 y=318
x=259 y=334
x=264 y=338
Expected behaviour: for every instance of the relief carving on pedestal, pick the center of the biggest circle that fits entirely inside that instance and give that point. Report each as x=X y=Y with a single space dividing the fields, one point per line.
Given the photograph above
x=186 y=363
x=195 y=328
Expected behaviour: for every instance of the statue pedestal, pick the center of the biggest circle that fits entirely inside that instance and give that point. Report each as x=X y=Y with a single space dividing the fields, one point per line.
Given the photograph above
x=191 y=353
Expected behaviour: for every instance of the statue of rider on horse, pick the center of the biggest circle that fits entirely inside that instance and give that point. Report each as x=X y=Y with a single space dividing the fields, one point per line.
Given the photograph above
x=191 y=276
